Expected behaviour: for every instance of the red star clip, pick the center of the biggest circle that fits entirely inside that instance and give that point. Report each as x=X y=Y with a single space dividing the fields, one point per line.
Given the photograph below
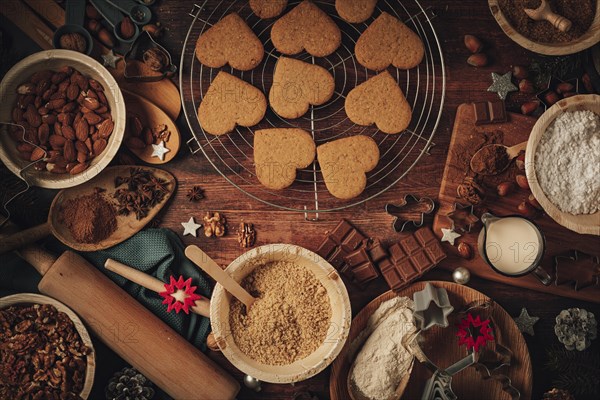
x=179 y=295
x=476 y=337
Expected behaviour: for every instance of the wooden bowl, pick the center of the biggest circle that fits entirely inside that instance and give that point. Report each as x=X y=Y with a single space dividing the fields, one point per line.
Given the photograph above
x=32 y=298
x=588 y=39
x=54 y=59
x=582 y=223
x=341 y=315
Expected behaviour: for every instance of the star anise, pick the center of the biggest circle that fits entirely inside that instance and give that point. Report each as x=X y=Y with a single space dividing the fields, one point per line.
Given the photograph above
x=195 y=194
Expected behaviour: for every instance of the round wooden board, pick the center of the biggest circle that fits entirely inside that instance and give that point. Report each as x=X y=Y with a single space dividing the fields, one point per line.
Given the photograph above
x=467 y=384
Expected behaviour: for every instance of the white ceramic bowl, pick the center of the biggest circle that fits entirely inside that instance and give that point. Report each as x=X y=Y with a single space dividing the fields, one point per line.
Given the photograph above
x=341 y=315
x=54 y=59
x=32 y=298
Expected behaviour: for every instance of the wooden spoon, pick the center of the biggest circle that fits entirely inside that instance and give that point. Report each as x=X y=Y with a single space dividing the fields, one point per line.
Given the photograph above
x=544 y=12
x=512 y=152
x=207 y=264
x=152 y=116
x=127 y=226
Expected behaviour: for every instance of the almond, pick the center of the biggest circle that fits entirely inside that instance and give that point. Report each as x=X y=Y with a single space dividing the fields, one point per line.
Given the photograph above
x=25 y=147
x=37 y=154
x=55 y=169
x=135 y=126
x=533 y=201
x=91 y=103
x=72 y=91
x=135 y=143
x=520 y=161
x=68 y=132
x=88 y=144
x=32 y=116
x=70 y=166
x=522 y=181
x=58 y=77
x=520 y=72
x=505 y=188
x=43 y=133
x=56 y=104
x=102 y=98
x=527 y=210
x=529 y=107
x=49 y=119
x=148 y=136
x=551 y=98
x=81 y=157
x=106 y=38
x=79 y=168
x=526 y=86
x=81 y=130
x=564 y=87
x=92 y=118
x=478 y=60
x=127 y=28
x=26 y=88
x=69 y=107
x=105 y=128
x=58 y=128
x=57 y=142
x=69 y=151
x=99 y=146
x=81 y=147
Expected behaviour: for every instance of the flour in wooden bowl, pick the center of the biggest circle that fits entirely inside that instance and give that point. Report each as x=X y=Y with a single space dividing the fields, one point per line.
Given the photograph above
x=567 y=162
x=288 y=321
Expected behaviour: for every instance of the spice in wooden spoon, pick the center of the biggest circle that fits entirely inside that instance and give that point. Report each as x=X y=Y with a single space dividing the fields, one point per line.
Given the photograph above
x=494 y=158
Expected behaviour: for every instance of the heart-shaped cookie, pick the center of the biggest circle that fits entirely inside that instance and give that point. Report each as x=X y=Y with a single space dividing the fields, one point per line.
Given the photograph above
x=230 y=101
x=345 y=162
x=308 y=28
x=297 y=85
x=388 y=41
x=267 y=8
x=355 y=11
x=279 y=152
x=230 y=41
x=379 y=100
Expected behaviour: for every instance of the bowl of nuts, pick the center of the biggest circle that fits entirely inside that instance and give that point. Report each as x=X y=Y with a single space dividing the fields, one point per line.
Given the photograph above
x=67 y=118
x=49 y=343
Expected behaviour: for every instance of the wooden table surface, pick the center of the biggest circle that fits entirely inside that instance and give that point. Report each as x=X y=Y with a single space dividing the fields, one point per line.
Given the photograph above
x=464 y=84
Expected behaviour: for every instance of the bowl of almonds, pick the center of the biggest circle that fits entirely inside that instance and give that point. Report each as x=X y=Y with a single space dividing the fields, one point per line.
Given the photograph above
x=67 y=118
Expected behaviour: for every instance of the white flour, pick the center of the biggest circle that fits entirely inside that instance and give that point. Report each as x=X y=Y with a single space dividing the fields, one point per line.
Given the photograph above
x=567 y=162
x=385 y=359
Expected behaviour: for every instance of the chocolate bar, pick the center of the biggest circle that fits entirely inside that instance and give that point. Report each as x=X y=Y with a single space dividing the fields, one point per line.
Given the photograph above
x=360 y=265
x=490 y=112
x=411 y=257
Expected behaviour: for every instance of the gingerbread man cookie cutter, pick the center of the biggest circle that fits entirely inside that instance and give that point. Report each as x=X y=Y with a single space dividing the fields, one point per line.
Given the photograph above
x=412 y=210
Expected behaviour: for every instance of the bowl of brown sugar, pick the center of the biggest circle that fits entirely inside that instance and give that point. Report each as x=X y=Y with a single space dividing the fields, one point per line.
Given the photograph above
x=541 y=36
x=299 y=322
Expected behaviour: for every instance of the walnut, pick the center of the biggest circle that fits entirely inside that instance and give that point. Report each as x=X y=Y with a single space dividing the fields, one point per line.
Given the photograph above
x=470 y=191
x=214 y=225
x=73 y=41
x=246 y=235
x=156 y=59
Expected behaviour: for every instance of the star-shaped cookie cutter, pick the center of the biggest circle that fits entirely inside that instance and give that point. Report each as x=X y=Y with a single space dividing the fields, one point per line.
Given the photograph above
x=462 y=217
x=432 y=307
x=410 y=211
x=578 y=275
x=143 y=43
x=553 y=82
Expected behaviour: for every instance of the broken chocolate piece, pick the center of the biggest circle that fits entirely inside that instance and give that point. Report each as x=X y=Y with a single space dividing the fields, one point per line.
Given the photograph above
x=490 y=112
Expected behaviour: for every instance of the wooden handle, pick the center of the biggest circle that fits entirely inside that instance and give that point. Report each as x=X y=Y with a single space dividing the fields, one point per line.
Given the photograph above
x=514 y=151
x=135 y=333
x=28 y=22
x=558 y=21
x=40 y=260
x=201 y=306
x=25 y=237
x=207 y=264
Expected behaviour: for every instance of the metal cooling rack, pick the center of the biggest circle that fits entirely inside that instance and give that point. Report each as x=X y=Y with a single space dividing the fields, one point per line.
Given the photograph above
x=232 y=154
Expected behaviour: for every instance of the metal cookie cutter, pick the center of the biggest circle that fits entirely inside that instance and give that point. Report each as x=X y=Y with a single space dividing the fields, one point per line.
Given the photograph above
x=143 y=43
x=462 y=217
x=411 y=211
x=432 y=307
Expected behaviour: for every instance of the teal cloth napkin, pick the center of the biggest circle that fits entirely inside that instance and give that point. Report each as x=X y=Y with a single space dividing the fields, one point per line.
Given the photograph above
x=159 y=252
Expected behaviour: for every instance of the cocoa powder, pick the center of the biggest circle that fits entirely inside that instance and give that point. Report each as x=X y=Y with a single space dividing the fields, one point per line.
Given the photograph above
x=490 y=160
x=90 y=218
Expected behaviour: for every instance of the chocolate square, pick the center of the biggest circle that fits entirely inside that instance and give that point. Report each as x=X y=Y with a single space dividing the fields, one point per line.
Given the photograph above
x=498 y=111
x=357 y=257
x=406 y=269
x=424 y=236
x=326 y=248
x=396 y=252
x=385 y=265
x=353 y=239
x=393 y=278
x=342 y=229
x=482 y=115
x=409 y=244
x=337 y=258
x=365 y=273
x=376 y=251
x=435 y=252
x=420 y=261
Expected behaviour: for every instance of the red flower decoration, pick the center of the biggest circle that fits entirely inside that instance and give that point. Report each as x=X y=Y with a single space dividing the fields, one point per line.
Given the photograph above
x=179 y=295
x=474 y=332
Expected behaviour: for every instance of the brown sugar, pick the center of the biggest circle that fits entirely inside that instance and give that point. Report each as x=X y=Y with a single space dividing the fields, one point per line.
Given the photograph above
x=290 y=318
x=90 y=218
x=580 y=12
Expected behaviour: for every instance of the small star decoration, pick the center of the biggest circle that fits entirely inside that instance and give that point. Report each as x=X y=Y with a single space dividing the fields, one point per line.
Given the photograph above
x=474 y=333
x=449 y=236
x=110 y=59
x=159 y=150
x=190 y=227
x=525 y=322
x=180 y=295
x=502 y=85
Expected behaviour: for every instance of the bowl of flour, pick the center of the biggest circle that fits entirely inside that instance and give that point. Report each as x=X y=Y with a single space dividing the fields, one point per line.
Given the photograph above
x=562 y=163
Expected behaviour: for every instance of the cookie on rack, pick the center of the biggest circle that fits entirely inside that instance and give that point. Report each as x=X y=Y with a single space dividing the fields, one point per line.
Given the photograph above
x=379 y=101
x=306 y=27
x=230 y=41
x=355 y=11
x=268 y=8
x=345 y=162
x=228 y=102
x=388 y=41
x=297 y=85
x=279 y=153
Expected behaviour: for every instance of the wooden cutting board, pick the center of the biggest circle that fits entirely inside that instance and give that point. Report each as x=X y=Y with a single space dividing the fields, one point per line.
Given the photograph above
x=466 y=139
x=441 y=346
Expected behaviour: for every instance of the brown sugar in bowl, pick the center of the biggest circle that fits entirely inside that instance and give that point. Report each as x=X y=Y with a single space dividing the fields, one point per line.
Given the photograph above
x=588 y=39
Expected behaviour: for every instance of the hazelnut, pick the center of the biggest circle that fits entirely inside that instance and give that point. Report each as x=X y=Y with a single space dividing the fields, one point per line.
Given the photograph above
x=551 y=98
x=529 y=107
x=533 y=201
x=464 y=250
x=155 y=59
x=564 y=87
x=505 y=188
x=106 y=38
x=520 y=162
x=473 y=44
x=73 y=41
x=520 y=72
x=522 y=181
x=478 y=60
x=127 y=28
x=587 y=83
x=91 y=12
x=526 y=210
x=526 y=86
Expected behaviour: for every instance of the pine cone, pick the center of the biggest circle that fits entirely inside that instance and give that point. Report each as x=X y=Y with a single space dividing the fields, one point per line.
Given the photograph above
x=129 y=384
x=576 y=328
x=558 y=394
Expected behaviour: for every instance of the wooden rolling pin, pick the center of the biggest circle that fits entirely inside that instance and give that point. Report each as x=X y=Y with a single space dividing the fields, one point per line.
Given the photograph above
x=129 y=329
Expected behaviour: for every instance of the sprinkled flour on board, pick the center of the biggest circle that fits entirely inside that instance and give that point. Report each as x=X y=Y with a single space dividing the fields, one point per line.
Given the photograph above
x=567 y=162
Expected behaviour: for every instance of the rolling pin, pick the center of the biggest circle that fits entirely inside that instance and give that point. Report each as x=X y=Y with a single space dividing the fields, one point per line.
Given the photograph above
x=129 y=329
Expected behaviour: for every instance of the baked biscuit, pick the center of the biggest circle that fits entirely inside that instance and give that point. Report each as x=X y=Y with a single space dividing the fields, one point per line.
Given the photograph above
x=267 y=8
x=297 y=85
x=388 y=41
x=345 y=162
x=379 y=100
x=279 y=152
x=230 y=41
x=355 y=11
x=228 y=102
x=306 y=27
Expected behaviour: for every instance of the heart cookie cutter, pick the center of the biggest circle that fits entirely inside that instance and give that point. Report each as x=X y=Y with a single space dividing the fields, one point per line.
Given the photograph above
x=412 y=210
